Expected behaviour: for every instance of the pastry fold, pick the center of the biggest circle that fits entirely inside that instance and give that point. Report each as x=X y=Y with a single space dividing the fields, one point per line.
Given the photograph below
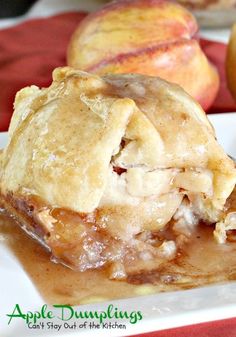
x=96 y=167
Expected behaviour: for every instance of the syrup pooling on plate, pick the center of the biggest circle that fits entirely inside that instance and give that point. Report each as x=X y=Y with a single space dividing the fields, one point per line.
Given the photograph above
x=133 y=152
x=200 y=261
x=123 y=186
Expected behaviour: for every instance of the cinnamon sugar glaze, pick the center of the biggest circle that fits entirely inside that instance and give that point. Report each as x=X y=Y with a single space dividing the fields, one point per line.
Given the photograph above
x=201 y=261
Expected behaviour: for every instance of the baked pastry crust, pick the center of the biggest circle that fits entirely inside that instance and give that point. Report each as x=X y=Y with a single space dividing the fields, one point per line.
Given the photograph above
x=95 y=165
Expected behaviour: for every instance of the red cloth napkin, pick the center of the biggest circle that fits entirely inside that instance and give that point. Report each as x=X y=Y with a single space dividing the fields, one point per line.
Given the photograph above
x=216 y=53
x=30 y=51
x=28 y=54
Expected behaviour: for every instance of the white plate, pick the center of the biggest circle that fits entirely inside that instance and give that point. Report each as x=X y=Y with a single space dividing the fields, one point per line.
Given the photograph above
x=160 y=311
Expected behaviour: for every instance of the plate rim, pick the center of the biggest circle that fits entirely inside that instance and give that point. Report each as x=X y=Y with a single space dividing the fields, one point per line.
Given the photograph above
x=161 y=315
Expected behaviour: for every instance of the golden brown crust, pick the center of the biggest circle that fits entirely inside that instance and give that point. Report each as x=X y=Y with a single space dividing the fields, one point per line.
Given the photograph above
x=69 y=236
x=24 y=212
x=92 y=163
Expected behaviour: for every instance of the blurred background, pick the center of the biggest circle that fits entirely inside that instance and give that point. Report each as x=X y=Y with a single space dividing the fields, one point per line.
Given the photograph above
x=14 y=7
x=210 y=13
x=35 y=34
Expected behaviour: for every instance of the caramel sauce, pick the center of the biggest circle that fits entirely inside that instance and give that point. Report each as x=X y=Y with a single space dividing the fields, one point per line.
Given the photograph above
x=202 y=261
x=56 y=283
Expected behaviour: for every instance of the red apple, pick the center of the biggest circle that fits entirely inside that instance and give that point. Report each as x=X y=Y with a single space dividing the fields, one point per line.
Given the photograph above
x=152 y=37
